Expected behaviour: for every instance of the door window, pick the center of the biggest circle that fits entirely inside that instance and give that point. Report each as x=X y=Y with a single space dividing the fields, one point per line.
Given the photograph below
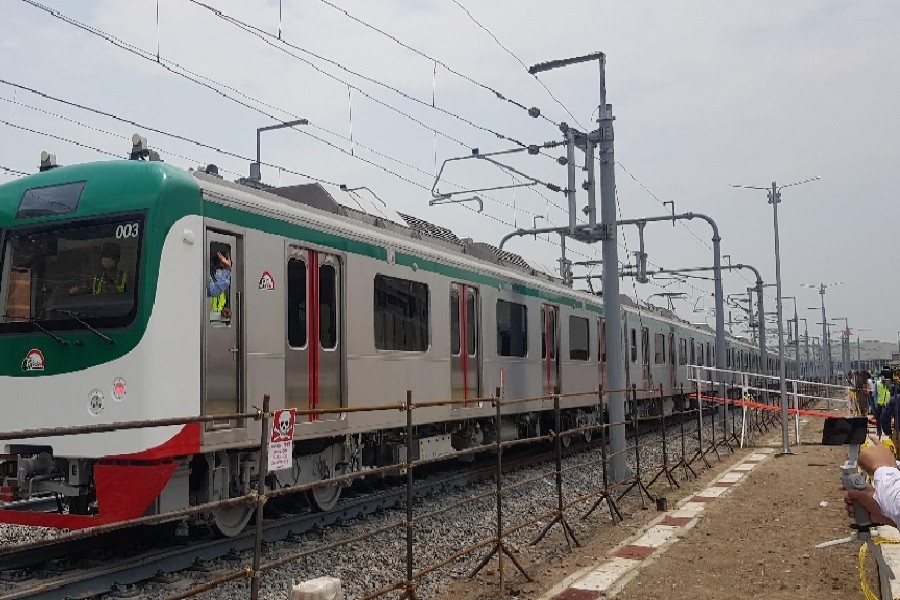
x=328 y=331
x=296 y=303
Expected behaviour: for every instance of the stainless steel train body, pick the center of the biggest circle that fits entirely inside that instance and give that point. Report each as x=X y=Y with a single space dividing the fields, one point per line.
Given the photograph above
x=327 y=307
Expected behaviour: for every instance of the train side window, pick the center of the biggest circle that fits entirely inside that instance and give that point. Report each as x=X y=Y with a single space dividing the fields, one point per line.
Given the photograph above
x=401 y=314
x=512 y=329
x=700 y=354
x=296 y=303
x=709 y=357
x=579 y=339
x=328 y=332
x=659 y=349
x=693 y=353
x=454 y=323
x=682 y=351
x=633 y=345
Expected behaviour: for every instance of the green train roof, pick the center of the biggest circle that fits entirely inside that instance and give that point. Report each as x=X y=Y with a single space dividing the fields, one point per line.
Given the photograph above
x=112 y=186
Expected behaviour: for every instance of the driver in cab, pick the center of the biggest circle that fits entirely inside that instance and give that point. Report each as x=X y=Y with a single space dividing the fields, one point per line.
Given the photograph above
x=110 y=279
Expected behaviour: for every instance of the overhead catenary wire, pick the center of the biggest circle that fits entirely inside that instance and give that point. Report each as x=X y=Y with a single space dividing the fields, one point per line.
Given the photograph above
x=682 y=223
x=78 y=123
x=280 y=44
x=13 y=171
x=470 y=79
x=201 y=80
x=183 y=138
x=211 y=84
x=144 y=126
x=519 y=60
x=59 y=138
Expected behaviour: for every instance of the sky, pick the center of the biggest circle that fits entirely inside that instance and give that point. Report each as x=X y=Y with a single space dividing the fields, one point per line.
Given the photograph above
x=706 y=94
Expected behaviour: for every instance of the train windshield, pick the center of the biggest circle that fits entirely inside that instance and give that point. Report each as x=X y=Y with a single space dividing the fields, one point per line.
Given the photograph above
x=70 y=274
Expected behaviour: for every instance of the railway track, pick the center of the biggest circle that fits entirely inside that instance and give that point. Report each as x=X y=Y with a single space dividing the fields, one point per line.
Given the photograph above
x=49 y=572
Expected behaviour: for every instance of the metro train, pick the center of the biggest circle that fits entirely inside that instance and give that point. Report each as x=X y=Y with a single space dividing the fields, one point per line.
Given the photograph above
x=106 y=316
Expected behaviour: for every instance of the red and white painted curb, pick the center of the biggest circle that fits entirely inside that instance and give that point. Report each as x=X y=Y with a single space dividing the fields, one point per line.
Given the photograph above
x=609 y=577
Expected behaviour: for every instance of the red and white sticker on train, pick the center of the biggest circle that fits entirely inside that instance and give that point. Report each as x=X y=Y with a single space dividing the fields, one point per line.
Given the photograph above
x=281 y=443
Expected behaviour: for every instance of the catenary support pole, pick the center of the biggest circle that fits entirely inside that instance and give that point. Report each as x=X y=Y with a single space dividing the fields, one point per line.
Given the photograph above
x=570 y=190
x=615 y=366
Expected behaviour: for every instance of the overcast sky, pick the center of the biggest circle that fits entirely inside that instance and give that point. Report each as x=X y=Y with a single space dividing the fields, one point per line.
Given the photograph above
x=706 y=94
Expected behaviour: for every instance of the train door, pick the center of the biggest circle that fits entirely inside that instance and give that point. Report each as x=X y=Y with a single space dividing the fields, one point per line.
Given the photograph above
x=313 y=356
x=223 y=355
x=601 y=349
x=550 y=347
x=672 y=362
x=645 y=358
x=465 y=328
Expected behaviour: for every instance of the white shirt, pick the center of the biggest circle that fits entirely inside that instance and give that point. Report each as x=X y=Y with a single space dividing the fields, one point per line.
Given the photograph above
x=887 y=492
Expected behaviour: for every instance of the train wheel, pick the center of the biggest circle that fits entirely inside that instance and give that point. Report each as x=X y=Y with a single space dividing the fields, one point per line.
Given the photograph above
x=231 y=521
x=324 y=497
x=588 y=435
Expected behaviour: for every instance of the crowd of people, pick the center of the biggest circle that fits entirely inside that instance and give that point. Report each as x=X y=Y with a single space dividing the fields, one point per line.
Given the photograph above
x=881 y=498
x=881 y=392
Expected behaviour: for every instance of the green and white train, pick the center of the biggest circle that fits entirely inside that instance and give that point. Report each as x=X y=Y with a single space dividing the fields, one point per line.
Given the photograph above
x=329 y=306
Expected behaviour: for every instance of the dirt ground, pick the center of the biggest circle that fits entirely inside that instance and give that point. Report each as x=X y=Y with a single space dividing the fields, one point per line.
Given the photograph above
x=758 y=541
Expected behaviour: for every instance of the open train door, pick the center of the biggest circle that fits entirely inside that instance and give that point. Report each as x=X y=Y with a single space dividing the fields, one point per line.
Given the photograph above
x=223 y=356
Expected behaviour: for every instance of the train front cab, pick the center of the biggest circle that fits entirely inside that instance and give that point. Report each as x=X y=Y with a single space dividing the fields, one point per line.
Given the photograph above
x=83 y=252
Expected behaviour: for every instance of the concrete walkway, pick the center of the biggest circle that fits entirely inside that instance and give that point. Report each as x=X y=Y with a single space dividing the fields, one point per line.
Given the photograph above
x=750 y=533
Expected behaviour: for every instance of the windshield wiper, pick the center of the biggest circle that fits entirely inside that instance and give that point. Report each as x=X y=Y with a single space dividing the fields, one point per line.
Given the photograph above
x=87 y=326
x=40 y=327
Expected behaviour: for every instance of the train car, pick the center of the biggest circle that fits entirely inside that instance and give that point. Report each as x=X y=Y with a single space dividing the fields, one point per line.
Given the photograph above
x=134 y=290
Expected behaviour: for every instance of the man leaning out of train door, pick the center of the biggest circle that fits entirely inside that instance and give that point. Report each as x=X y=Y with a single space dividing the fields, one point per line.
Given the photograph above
x=219 y=285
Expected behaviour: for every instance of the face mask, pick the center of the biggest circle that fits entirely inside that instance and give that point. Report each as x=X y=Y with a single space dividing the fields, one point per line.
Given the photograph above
x=107 y=262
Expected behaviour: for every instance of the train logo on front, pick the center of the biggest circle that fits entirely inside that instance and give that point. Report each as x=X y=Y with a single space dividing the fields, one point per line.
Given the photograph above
x=267 y=282
x=34 y=360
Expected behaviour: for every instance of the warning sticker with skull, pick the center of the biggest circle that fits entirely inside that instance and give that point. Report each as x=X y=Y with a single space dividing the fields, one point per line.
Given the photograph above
x=281 y=444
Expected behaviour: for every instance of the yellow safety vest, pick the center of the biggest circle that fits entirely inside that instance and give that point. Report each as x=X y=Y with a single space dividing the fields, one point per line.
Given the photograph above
x=217 y=303
x=883 y=393
x=97 y=284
